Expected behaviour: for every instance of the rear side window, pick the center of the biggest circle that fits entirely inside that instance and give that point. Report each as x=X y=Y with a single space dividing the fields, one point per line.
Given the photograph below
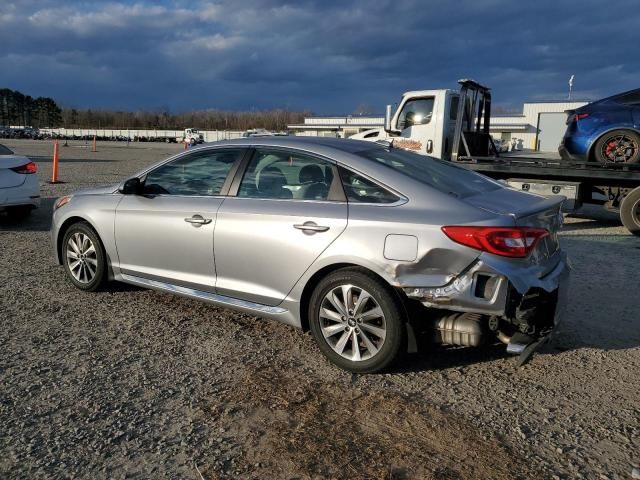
x=453 y=108
x=283 y=174
x=362 y=190
x=438 y=174
x=195 y=174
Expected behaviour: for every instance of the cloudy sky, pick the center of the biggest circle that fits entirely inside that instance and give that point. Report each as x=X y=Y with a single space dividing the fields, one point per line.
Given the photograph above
x=326 y=56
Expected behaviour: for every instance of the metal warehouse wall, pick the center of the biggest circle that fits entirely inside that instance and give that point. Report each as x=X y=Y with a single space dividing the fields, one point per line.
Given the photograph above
x=209 y=135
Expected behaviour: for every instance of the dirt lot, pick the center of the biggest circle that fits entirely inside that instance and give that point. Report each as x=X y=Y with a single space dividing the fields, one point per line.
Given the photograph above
x=131 y=383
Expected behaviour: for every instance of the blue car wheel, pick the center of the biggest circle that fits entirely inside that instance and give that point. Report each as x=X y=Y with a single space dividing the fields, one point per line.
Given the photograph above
x=618 y=146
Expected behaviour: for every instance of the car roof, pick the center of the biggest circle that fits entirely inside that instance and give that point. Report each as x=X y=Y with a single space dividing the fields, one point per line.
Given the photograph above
x=612 y=98
x=301 y=142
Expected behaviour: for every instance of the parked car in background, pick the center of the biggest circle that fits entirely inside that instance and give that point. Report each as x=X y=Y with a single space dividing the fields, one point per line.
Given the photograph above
x=361 y=244
x=372 y=135
x=19 y=186
x=605 y=131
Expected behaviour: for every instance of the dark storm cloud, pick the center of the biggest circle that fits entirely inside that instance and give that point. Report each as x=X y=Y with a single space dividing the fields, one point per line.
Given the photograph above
x=328 y=56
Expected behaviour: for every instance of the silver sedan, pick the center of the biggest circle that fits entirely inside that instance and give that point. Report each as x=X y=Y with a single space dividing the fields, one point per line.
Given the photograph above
x=369 y=248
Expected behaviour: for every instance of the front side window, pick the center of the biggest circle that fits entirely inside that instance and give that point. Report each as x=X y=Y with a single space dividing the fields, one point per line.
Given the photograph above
x=416 y=112
x=195 y=174
x=359 y=189
x=281 y=174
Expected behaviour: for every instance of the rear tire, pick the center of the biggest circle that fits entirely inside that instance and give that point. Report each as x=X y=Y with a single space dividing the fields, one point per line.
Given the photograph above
x=83 y=257
x=618 y=146
x=366 y=334
x=630 y=211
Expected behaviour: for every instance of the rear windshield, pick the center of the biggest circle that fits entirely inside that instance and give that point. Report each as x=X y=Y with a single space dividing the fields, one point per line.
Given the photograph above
x=443 y=176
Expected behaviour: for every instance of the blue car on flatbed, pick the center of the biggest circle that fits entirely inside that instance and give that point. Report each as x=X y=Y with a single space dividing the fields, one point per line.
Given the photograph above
x=605 y=131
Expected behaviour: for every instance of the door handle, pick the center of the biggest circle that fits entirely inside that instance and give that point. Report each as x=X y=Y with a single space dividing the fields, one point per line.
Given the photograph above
x=197 y=220
x=311 y=227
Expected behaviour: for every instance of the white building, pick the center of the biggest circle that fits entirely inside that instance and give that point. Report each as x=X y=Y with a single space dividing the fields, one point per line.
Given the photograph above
x=540 y=126
x=339 y=126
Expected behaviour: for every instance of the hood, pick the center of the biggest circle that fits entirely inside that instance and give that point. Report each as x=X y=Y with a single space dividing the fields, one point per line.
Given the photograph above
x=104 y=190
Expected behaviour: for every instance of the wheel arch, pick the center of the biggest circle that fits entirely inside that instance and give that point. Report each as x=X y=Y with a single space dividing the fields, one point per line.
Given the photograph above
x=313 y=281
x=68 y=222
x=599 y=135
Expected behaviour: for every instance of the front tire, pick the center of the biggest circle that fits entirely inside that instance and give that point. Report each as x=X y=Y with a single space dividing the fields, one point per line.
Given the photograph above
x=83 y=257
x=630 y=211
x=618 y=146
x=357 y=320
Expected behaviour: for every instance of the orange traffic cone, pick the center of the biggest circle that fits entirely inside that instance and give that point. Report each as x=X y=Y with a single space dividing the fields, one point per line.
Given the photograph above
x=56 y=160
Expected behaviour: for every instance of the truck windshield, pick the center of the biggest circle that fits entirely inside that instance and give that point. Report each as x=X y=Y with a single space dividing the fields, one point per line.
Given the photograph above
x=438 y=174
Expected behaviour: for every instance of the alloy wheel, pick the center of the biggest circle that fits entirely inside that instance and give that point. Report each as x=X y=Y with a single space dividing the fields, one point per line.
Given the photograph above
x=82 y=258
x=619 y=149
x=352 y=322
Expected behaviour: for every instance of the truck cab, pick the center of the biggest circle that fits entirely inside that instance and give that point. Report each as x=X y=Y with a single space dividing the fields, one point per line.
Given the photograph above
x=191 y=136
x=446 y=124
x=425 y=122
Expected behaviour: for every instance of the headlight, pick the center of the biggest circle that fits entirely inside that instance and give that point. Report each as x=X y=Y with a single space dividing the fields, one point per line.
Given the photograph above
x=61 y=202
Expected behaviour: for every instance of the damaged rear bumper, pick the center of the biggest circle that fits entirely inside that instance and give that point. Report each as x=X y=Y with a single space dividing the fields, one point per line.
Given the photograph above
x=530 y=297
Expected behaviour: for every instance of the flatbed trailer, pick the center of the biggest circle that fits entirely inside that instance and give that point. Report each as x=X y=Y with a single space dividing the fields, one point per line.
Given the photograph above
x=616 y=186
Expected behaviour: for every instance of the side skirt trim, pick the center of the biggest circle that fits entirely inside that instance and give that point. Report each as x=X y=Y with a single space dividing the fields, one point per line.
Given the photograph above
x=200 y=295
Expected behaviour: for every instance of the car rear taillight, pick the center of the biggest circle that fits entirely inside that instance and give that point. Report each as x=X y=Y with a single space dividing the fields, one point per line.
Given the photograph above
x=514 y=242
x=26 y=168
x=574 y=117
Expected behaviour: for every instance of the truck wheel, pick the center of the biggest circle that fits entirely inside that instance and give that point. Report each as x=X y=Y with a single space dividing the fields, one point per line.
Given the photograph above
x=630 y=211
x=618 y=146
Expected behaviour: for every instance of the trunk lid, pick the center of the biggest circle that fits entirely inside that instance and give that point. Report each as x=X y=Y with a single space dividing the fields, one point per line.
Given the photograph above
x=9 y=178
x=527 y=210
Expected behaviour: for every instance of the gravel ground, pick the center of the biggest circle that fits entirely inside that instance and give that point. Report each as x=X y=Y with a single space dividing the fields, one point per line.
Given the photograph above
x=130 y=383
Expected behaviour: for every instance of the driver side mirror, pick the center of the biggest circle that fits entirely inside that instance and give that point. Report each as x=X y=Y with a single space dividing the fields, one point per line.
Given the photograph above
x=131 y=186
x=387 y=122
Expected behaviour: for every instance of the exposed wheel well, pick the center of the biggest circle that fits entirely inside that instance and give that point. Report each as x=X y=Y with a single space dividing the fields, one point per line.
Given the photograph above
x=323 y=272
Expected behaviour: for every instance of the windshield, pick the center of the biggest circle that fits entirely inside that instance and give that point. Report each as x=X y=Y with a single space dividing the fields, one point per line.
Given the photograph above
x=438 y=174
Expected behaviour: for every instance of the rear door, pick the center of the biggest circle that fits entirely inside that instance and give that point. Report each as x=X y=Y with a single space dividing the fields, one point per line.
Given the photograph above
x=288 y=209
x=166 y=232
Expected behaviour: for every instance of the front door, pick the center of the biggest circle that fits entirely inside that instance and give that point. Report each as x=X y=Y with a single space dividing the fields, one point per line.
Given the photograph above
x=287 y=211
x=418 y=123
x=165 y=233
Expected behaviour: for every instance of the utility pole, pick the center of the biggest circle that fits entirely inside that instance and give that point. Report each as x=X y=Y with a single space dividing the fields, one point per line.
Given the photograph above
x=571 y=85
